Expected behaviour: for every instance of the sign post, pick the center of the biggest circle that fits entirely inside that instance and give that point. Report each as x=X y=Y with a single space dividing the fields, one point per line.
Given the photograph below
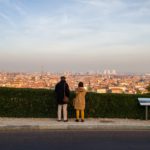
x=145 y=102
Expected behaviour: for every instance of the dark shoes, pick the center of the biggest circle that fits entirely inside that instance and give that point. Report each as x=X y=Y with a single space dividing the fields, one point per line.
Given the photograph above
x=66 y=120
x=77 y=120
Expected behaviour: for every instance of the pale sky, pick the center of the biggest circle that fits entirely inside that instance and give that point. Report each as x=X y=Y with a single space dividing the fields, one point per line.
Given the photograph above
x=75 y=35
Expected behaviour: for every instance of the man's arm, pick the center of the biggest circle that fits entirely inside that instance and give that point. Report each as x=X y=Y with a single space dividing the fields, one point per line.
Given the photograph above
x=67 y=90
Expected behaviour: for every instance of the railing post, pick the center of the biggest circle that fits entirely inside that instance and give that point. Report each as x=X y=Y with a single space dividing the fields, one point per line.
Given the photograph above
x=146 y=112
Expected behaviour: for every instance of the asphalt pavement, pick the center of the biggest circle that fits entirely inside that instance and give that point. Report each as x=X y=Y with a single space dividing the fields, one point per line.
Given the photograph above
x=74 y=140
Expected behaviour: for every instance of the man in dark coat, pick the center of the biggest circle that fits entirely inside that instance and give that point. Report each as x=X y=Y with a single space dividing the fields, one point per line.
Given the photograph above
x=62 y=90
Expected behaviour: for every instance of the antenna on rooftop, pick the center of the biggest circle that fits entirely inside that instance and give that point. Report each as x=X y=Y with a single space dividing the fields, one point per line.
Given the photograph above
x=42 y=71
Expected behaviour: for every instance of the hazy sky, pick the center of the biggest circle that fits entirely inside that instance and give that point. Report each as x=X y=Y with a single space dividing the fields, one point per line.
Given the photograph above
x=75 y=35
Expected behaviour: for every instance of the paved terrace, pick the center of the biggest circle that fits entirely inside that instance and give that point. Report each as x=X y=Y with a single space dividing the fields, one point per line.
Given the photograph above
x=89 y=124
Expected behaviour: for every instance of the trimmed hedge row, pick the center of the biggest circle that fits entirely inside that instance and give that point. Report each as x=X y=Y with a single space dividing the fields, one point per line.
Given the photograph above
x=42 y=103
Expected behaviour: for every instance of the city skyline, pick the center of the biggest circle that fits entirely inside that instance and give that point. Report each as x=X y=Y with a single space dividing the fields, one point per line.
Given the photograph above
x=75 y=35
x=108 y=82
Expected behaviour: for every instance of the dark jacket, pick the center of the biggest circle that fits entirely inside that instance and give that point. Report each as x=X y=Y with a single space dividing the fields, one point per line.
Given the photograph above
x=60 y=88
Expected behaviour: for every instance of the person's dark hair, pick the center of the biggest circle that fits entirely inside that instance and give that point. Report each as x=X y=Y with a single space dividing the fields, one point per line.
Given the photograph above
x=63 y=78
x=80 y=84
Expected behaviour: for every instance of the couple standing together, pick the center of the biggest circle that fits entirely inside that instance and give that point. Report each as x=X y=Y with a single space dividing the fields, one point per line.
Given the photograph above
x=62 y=93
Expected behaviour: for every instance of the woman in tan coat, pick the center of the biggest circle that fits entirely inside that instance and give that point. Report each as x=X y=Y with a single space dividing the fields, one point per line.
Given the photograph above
x=79 y=101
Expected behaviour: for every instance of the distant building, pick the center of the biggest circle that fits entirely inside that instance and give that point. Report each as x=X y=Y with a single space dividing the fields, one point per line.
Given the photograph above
x=109 y=72
x=102 y=90
x=114 y=72
x=118 y=90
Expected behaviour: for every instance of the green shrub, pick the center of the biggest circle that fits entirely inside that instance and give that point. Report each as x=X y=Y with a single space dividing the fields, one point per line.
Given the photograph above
x=42 y=103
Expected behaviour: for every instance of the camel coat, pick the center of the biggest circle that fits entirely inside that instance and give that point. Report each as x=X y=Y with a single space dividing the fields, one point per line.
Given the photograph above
x=79 y=101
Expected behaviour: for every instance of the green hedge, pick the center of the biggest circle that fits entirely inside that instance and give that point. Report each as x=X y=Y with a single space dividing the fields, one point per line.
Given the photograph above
x=42 y=103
